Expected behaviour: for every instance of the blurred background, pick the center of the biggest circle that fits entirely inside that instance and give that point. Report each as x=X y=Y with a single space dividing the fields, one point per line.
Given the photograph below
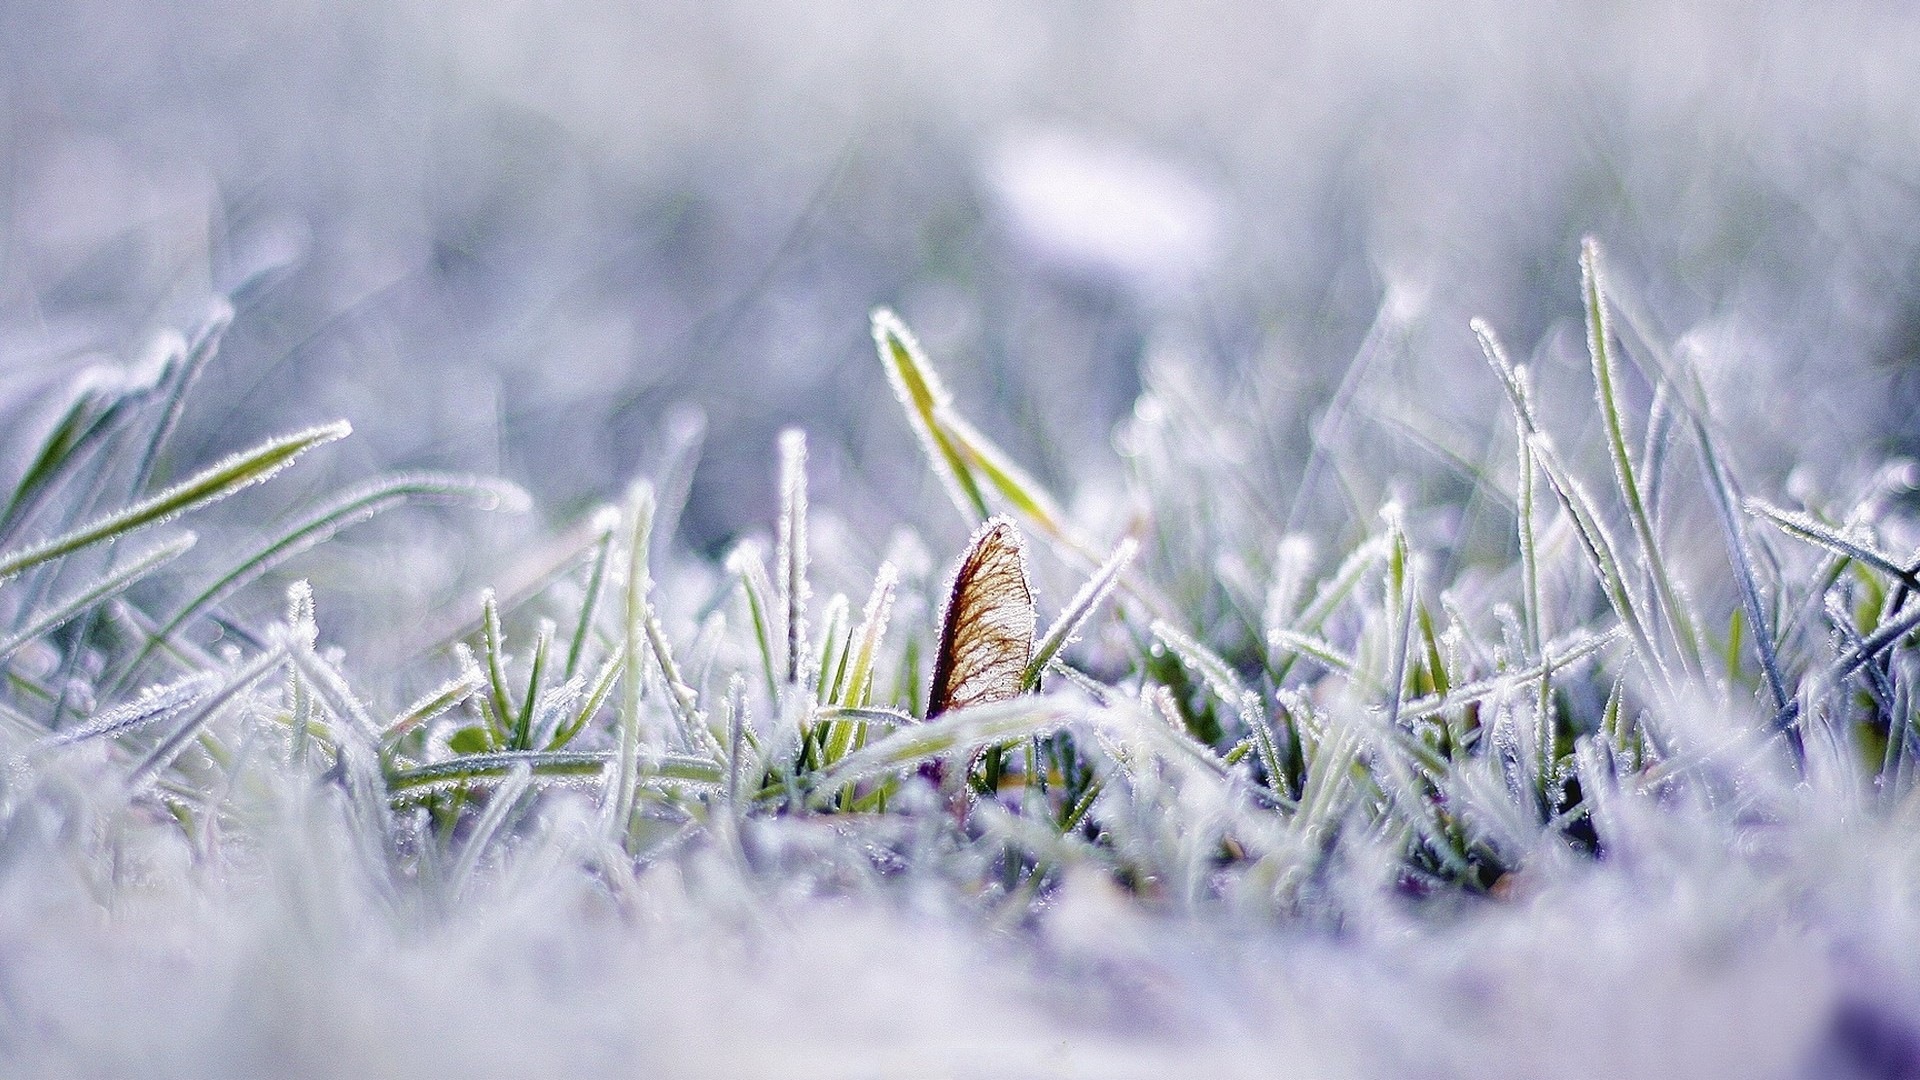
x=533 y=238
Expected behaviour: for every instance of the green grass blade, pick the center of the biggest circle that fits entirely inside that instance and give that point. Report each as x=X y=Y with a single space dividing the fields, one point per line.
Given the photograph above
x=113 y=584
x=835 y=644
x=448 y=694
x=1605 y=372
x=961 y=729
x=523 y=723
x=154 y=703
x=1527 y=512
x=493 y=648
x=1810 y=529
x=169 y=748
x=925 y=399
x=606 y=522
x=499 y=809
x=1066 y=629
x=498 y=765
x=1216 y=673
x=358 y=505
x=102 y=405
x=237 y=472
x=873 y=629
x=1594 y=542
x=620 y=792
x=179 y=382
x=747 y=567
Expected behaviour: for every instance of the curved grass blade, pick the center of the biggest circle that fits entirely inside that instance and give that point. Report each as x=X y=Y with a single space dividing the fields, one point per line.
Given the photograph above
x=162 y=755
x=155 y=703
x=1807 y=527
x=352 y=508
x=746 y=564
x=960 y=729
x=179 y=381
x=1327 y=599
x=237 y=472
x=596 y=695
x=523 y=724
x=1719 y=486
x=115 y=583
x=446 y=696
x=500 y=808
x=1586 y=524
x=873 y=629
x=1600 y=351
x=1066 y=629
x=493 y=646
x=926 y=400
x=103 y=402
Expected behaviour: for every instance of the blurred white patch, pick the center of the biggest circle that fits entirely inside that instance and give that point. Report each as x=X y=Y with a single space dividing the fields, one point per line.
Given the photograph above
x=1104 y=208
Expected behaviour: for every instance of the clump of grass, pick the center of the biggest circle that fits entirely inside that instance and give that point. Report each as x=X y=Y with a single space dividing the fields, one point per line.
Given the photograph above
x=1464 y=727
x=1241 y=736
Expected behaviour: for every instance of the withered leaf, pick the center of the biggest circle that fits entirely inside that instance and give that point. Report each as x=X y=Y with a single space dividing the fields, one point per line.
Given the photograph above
x=986 y=633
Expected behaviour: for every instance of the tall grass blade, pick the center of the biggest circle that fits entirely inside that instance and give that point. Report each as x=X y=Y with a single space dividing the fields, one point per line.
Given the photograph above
x=618 y=799
x=1810 y=529
x=791 y=552
x=606 y=522
x=1600 y=351
x=103 y=403
x=748 y=568
x=873 y=629
x=178 y=383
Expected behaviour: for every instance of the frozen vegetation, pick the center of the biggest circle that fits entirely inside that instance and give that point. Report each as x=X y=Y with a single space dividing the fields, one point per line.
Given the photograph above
x=1390 y=555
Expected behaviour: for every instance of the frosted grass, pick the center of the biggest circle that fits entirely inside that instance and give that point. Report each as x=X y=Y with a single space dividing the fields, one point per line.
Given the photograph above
x=1541 y=773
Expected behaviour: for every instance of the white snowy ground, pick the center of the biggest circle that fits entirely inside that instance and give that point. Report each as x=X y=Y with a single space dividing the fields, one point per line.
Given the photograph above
x=279 y=954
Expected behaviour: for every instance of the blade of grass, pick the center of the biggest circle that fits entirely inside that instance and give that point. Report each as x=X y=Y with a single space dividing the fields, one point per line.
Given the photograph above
x=523 y=723
x=1594 y=542
x=606 y=522
x=162 y=755
x=113 y=584
x=619 y=795
x=924 y=398
x=1807 y=527
x=1600 y=351
x=750 y=571
x=104 y=401
x=448 y=694
x=154 y=703
x=596 y=695
x=237 y=472
x=1066 y=629
x=791 y=553
x=351 y=508
x=960 y=729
